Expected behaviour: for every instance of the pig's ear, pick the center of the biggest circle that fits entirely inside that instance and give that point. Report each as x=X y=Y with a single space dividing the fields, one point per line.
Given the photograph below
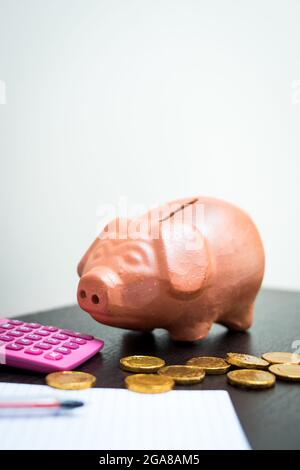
x=186 y=257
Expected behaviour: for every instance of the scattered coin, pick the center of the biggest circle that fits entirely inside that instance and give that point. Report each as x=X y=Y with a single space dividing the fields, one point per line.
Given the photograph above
x=210 y=364
x=183 y=374
x=286 y=371
x=281 y=357
x=145 y=364
x=251 y=378
x=70 y=380
x=149 y=383
x=253 y=373
x=246 y=361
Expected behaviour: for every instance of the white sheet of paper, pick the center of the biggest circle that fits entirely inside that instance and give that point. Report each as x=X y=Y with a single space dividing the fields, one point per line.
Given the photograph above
x=120 y=419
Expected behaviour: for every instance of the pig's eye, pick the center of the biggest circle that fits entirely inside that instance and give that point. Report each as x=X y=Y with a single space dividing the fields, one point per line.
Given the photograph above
x=133 y=258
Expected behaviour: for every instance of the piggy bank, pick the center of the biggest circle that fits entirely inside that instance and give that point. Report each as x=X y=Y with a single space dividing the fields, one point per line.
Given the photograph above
x=180 y=267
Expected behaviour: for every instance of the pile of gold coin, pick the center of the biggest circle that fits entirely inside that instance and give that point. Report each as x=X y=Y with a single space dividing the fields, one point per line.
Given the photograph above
x=152 y=375
x=249 y=372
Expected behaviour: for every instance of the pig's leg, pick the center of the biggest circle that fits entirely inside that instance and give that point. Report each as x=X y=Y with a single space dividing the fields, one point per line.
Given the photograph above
x=186 y=332
x=239 y=319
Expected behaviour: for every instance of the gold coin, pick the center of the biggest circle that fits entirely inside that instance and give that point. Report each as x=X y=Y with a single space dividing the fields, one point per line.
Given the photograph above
x=149 y=383
x=211 y=365
x=281 y=357
x=286 y=371
x=246 y=361
x=251 y=378
x=145 y=364
x=70 y=380
x=183 y=374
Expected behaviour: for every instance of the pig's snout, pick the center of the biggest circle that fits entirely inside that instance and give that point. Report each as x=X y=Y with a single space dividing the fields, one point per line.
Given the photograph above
x=92 y=294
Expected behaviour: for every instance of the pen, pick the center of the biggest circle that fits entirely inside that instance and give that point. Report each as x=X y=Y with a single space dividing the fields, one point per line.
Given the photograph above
x=21 y=406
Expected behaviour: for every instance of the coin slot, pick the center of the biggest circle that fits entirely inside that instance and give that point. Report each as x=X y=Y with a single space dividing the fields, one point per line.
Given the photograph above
x=95 y=299
x=182 y=207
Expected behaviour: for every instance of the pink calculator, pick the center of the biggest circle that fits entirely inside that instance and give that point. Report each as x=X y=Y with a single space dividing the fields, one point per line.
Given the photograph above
x=44 y=348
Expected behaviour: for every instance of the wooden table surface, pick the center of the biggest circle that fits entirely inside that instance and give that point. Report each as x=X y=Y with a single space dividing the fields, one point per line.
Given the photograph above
x=270 y=418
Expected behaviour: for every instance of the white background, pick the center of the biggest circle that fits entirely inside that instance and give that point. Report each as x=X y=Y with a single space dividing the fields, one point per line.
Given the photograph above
x=149 y=101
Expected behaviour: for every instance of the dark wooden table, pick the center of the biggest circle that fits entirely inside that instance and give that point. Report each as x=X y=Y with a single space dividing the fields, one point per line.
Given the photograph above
x=271 y=418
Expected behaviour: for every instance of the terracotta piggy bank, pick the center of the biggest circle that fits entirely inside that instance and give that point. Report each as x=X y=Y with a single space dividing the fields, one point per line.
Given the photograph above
x=180 y=267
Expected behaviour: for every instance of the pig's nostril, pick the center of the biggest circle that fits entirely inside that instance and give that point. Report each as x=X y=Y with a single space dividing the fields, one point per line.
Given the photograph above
x=95 y=299
x=82 y=294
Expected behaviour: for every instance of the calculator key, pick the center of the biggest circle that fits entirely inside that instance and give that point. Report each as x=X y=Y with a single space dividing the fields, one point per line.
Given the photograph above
x=60 y=336
x=15 y=322
x=43 y=333
x=43 y=346
x=6 y=326
x=14 y=347
x=15 y=334
x=33 y=350
x=6 y=338
x=63 y=350
x=33 y=325
x=24 y=342
x=76 y=334
x=51 y=341
x=79 y=341
x=52 y=329
x=54 y=356
x=24 y=329
x=71 y=345
x=33 y=337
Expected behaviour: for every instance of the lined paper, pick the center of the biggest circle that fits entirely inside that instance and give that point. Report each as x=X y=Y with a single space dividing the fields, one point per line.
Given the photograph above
x=119 y=419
